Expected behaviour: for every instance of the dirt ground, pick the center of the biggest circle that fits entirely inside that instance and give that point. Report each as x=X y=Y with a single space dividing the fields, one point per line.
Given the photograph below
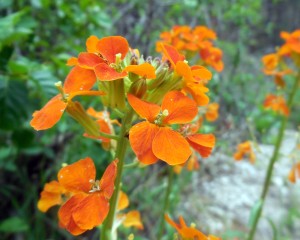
x=226 y=193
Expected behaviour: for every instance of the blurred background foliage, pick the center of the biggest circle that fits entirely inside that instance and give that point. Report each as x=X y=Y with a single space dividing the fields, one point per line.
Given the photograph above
x=38 y=36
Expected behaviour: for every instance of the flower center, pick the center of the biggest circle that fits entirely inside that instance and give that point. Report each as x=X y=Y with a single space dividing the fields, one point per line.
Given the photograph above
x=95 y=186
x=160 y=117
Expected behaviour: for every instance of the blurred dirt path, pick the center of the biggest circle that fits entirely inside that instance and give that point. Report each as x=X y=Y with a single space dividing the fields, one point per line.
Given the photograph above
x=224 y=191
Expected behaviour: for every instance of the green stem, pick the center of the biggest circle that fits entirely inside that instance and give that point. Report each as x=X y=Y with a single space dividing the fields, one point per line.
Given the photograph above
x=273 y=159
x=106 y=233
x=110 y=136
x=166 y=202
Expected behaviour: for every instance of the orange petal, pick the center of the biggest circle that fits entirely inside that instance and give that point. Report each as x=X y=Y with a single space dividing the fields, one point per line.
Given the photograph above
x=170 y=146
x=184 y=70
x=65 y=214
x=171 y=222
x=107 y=182
x=172 y=54
x=197 y=90
x=141 y=137
x=76 y=177
x=99 y=115
x=106 y=73
x=145 y=70
x=200 y=72
x=144 y=109
x=79 y=79
x=91 y=44
x=108 y=47
x=181 y=109
x=50 y=196
x=192 y=233
x=294 y=174
x=182 y=222
x=211 y=237
x=202 y=143
x=89 y=60
x=90 y=211
x=123 y=201
x=72 y=61
x=49 y=115
x=133 y=219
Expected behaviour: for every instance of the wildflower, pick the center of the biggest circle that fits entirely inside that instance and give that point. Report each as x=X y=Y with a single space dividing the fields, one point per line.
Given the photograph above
x=271 y=65
x=277 y=104
x=244 y=149
x=131 y=218
x=212 y=113
x=188 y=233
x=201 y=143
x=104 y=56
x=212 y=56
x=192 y=76
x=292 y=40
x=148 y=137
x=78 y=82
x=87 y=202
x=294 y=173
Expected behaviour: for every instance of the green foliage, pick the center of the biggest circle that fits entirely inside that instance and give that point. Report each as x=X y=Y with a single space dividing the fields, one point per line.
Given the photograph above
x=38 y=36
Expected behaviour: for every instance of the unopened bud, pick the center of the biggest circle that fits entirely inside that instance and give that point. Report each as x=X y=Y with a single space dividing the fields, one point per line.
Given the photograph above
x=138 y=88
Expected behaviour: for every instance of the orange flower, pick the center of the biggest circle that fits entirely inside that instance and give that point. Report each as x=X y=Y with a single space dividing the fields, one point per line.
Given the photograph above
x=294 y=173
x=201 y=143
x=277 y=104
x=212 y=56
x=204 y=33
x=271 y=63
x=292 y=40
x=88 y=200
x=130 y=219
x=104 y=56
x=78 y=82
x=212 y=113
x=146 y=138
x=192 y=76
x=188 y=233
x=244 y=149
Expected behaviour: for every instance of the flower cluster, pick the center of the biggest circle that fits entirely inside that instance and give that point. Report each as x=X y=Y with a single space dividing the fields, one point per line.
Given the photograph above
x=244 y=149
x=280 y=64
x=191 y=41
x=166 y=93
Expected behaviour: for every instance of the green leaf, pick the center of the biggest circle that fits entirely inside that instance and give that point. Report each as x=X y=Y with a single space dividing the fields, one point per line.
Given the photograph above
x=254 y=211
x=13 y=225
x=274 y=229
x=13 y=103
x=5 y=54
x=44 y=83
x=23 y=138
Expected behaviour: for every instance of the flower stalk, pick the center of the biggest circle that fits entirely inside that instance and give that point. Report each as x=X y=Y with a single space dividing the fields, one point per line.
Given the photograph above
x=122 y=143
x=273 y=159
x=166 y=202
